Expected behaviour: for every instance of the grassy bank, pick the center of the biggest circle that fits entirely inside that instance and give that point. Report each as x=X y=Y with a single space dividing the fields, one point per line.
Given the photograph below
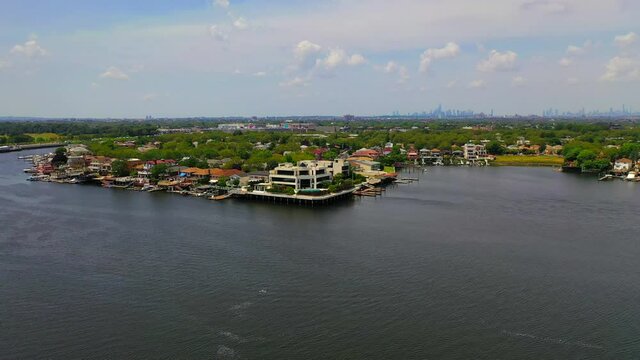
x=523 y=160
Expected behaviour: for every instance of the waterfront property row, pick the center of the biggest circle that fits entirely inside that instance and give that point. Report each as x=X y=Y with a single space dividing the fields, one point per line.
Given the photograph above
x=306 y=181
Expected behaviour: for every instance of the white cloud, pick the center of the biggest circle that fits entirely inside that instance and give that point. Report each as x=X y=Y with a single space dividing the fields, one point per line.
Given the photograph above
x=114 y=73
x=218 y=33
x=334 y=58
x=450 y=50
x=241 y=23
x=221 y=3
x=337 y=57
x=518 y=81
x=625 y=40
x=30 y=49
x=401 y=71
x=476 y=84
x=622 y=69
x=565 y=61
x=574 y=50
x=356 y=59
x=497 y=61
x=306 y=49
x=260 y=74
x=452 y=84
x=573 y=81
x=295 y=82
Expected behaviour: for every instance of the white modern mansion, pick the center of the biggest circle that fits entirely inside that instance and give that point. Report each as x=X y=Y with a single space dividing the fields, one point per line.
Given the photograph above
x=307 y=174
x=473 y=152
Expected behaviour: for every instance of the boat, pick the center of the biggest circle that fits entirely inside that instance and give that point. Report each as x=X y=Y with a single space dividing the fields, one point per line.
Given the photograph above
x=373 y=181
x=632 y=176
x=221 y=197
x=606 y=177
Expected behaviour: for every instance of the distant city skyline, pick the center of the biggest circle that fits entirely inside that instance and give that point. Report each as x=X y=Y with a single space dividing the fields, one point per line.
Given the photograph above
x=215 y=58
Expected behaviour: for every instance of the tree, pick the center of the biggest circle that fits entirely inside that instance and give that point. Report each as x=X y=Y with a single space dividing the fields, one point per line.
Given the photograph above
x=20 y=138
x=119 y=168
x=495 y=148
x=159 y=170
x=60 y=157
x=586 y=155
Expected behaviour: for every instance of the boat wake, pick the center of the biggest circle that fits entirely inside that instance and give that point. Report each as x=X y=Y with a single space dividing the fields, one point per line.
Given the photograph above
x=552 y=340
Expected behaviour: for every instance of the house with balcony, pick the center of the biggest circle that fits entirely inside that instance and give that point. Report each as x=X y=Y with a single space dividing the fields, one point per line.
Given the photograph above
x=474 y=152
x=305 y=174
x=623 y=166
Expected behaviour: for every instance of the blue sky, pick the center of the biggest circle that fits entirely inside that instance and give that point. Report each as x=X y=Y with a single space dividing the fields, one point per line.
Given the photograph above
x=223 y=58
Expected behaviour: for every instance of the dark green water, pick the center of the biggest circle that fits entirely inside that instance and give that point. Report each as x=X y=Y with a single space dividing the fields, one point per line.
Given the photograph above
x=469 y=263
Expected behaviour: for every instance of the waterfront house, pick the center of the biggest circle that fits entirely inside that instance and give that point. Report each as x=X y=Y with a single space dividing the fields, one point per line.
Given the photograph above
x=365 y=167
x=227 y=173
x=78 y=150
x=366 y=153
x=306 y=174
x=254 y=177
x=100 y=164
x=412 y=153
x=388 y=148
x=337 y=166
x=76 y=161
x=623 y=165
x=553 y=149
x=473 y=152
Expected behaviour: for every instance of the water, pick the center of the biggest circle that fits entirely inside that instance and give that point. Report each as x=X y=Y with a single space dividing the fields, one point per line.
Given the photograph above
x=482 y=263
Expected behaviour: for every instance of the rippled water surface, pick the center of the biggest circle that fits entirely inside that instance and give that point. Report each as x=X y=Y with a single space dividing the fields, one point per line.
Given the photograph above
x=468 y=263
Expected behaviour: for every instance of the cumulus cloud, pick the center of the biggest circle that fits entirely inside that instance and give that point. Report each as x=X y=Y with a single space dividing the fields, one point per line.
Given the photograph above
x=337 y=57
x=401 y=71
x=218 y=33
x=334 y=58
x=312 y=60
x=518 y=81
x=221 y=3
x=356 y=59
x=30 y=49
x=625 y=40
x=574 y=50
x=114 y=73
x=305 y=49
x=622 y=68
x=499 y=61
x=476 y=84
x=240 y=23
x=450 y=50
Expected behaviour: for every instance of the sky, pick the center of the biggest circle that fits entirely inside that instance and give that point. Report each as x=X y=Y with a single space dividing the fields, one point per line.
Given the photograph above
x=161 y=58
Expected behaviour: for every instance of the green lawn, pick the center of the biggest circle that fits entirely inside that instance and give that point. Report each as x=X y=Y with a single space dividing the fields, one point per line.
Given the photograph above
x=45 y=137
x=526 y=160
